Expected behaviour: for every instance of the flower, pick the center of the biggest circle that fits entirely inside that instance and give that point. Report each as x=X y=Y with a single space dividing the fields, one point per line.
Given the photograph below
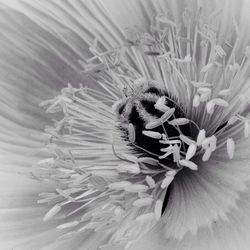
x=151 y=151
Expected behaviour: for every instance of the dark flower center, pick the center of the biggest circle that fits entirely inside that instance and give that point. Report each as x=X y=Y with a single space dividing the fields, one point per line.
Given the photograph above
x=136 y=118
x=134 y=112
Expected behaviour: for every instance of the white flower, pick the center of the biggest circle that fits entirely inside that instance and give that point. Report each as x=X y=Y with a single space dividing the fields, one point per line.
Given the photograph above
x=100 y=177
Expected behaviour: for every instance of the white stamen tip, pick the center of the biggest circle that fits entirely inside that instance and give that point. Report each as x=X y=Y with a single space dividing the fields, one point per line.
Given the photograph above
x=152 y=134
x=160 y=104
x=232 y=120
x=150 y=181
x=158 y=209
x=191 y=151
x=220 y=102
x=205 y=97
x=68 y=225
x=188 y=58
x=179 y=121
x=131 y=133
x=207 y=155
x=176 y=153
x=132 y=168
x=161 y=100
x=136 y=188
x=210 y=143
x=196 y=101
x=166 y=181
x=146 y=217
x=143 y=202
x=119 y=185
x=210 y=107
x=52 y=212
x=203 y=90
x=167 y=149
x=167 y=115
x=201 y=137
x=171 y=172
x=246 y=129
x=187 y=140
x=170 y=142
x=148 y=160
x=154 y=124
x=188 y=164
x=230 y=148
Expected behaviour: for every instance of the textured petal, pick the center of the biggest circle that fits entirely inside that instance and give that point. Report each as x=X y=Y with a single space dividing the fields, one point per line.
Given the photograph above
x=208 y=209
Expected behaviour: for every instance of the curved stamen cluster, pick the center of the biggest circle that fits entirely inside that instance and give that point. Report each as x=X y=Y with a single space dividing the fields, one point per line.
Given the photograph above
x=121 y=191
x=148 y=118
x=88 y=171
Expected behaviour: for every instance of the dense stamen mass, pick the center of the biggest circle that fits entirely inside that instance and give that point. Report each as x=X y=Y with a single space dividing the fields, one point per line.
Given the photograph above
x=174 y=109
x=143 y=110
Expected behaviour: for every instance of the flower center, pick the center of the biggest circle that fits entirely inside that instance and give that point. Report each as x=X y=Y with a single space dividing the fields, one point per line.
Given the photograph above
x=154 y=124
x=152 y=115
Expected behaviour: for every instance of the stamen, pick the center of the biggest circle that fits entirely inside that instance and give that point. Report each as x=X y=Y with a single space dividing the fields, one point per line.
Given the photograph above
x=188 y=164
x=52 y=212
x=191 y=151
x=230 y=148
x=136 y=188
x=145 y=217
x=131 y=133
x=179 y=122
x=143 y=202
x=207 y=154
x=174 y=104
x=158 y=209
x=166 y=181
x=201 y=137
x=152 y=134
x=246 y=129
x=119 y=185
x=150 y=181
